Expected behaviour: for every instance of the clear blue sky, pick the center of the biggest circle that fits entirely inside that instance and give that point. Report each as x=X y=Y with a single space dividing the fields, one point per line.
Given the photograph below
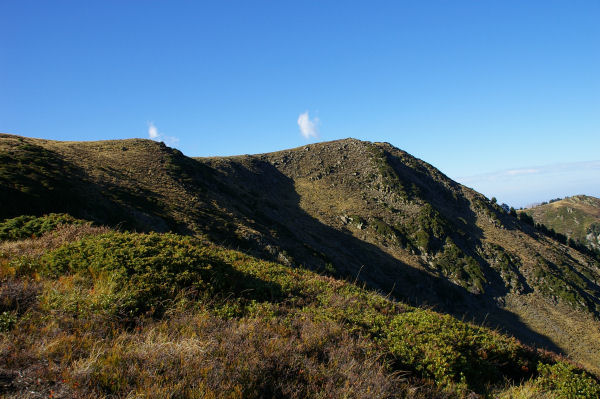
x=473 y=87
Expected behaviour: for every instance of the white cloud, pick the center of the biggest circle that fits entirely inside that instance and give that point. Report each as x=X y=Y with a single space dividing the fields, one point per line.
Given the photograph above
x=155 y=135
x=515 y=172
x=153 y=131
x=308 y=127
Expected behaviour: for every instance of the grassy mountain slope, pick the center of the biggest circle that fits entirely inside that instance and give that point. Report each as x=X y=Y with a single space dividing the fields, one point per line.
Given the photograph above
x=577 y=217
x=350 y=209
x=88 y=312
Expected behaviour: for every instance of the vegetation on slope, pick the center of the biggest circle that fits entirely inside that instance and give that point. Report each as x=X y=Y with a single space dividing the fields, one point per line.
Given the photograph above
x=33 y=179
x=30 y=226
x=577 y=218
x=37 y=178
x=356 y=210
x=121 y=314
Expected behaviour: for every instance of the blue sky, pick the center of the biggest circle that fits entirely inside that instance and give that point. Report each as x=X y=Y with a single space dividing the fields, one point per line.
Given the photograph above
x=477 y=88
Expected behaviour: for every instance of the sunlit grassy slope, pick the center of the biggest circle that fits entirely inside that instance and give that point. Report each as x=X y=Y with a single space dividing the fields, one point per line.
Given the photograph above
x=577 y=217
x=88 y=312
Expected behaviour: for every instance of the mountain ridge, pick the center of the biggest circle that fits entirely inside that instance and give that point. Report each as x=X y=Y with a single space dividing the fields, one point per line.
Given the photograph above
x=358 y=210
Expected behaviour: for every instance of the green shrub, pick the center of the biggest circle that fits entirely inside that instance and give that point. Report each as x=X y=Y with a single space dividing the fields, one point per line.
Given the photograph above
x=564 y=381
x=455 y=264
x=26 y=226
x=453 y=352
x=432 y=221
x=24 y=266
x=383 y=228
x=423 y=240
x=148 y=271
x=526 y=218
x=430 y=229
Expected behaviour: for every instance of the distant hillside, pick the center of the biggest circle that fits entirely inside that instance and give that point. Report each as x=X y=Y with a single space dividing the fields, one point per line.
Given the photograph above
x=350 y=209
x=577 y=217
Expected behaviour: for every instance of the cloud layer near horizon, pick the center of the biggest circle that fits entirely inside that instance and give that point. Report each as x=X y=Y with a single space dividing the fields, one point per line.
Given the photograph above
x=524 y=186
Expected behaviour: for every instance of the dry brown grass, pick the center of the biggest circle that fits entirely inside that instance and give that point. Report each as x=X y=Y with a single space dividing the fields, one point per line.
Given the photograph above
x=197 y=355
x=205 y=357
x=18 y=295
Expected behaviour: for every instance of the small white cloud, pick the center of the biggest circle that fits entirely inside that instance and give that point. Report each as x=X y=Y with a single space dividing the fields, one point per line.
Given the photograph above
x=308 y=127
x=152 y=131
x=155 y=135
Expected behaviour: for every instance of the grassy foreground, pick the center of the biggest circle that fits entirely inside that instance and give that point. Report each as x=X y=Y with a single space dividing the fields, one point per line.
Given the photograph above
x=87 y=312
